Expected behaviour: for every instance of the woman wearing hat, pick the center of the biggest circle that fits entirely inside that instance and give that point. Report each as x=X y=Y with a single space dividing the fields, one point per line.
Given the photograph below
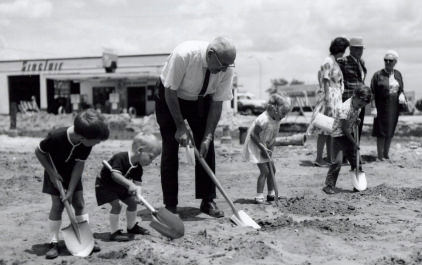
x=387 y=89
x=331 y=85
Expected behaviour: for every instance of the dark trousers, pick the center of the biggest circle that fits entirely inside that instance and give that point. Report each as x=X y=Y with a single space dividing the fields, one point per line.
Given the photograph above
x=341 y=147
x=204 y=186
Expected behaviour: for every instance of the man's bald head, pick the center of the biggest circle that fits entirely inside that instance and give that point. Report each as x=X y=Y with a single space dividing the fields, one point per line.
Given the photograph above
x=224 y=49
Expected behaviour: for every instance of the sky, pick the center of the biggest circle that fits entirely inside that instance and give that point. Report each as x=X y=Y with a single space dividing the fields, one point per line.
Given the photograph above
x=274 y=38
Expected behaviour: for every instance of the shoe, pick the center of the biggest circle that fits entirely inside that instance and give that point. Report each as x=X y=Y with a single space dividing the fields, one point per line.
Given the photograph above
x=259 y=200
x=210 y=208
x=380 y=159
x=53 y=252
x=138 y=230
x=270 y=198
x=355 y=190
x=329 y=190
x=96 y=248
x=118 y=236
x=320 y=163
x=172 y=209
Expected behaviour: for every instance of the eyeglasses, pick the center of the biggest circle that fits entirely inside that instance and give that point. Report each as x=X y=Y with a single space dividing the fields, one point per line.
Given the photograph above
x=222 y=66
x=388 y=60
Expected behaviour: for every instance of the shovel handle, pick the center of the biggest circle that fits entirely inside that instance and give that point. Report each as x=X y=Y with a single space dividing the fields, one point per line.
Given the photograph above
x=146 y=203
x=212 y=175
x=356 y=128
x=140 y=198
x=69 y=211
x=272 y=174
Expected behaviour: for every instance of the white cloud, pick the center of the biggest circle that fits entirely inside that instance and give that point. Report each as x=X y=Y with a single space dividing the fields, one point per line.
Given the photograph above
x=112 y=2
x=27 y=8
x=295 y=34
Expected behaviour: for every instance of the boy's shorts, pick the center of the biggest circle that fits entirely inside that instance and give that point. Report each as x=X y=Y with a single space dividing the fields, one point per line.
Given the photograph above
x=107 y=193
x=49 y=188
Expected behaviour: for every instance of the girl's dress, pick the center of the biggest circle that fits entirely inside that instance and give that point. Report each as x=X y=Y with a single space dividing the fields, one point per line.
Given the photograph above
x=330 y=71
x=270 y=128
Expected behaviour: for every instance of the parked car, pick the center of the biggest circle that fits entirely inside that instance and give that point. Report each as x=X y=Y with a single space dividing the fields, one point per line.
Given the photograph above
x=247 y=104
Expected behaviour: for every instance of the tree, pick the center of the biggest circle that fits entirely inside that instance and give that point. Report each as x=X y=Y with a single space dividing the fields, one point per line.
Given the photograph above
x=279 y=82
x=418 y=104
x=296 y=82
x=275 y=83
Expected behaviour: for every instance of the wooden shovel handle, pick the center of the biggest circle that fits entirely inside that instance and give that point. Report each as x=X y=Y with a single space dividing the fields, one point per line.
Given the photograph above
x=146 y=203
x=357 y=150
x=59 y=185
x=212 y=175
x=272 y=173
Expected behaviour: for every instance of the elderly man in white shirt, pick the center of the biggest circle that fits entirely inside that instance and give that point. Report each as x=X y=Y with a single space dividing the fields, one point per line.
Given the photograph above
x=194 y=82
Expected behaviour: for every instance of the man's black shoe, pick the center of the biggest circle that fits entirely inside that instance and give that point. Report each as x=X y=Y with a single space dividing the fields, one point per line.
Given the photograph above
x=329 y=190
x=210 y=208
x=172 y=209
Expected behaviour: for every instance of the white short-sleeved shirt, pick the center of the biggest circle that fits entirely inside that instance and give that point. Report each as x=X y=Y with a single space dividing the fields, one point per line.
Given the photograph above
x=345 y=112
x=184 y=71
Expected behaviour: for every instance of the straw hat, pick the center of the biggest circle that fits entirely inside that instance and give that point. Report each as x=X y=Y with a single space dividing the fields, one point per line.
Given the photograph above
x=356 y=42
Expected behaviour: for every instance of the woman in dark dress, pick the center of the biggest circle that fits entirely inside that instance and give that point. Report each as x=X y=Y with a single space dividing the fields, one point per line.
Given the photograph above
x=387 y=89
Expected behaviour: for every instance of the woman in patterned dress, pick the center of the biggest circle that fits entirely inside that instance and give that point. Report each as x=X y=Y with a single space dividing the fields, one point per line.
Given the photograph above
x=330 y=80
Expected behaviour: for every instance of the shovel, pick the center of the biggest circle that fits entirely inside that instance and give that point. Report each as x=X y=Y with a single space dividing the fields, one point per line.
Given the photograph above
x=77 y=237
x=163 y=221
x=239 y=217
x=359 y=178
x=272 y=175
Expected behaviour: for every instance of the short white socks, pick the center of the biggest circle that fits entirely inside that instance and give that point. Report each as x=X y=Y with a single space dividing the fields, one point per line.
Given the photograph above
x=114 y=222
x=131 y=219
x=83 y=217
x=54 y=228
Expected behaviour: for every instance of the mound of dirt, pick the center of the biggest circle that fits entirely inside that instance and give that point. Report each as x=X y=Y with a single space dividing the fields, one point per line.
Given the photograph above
x=390 y=193
x=277 y=223
x=315 y=207
x=415 y=258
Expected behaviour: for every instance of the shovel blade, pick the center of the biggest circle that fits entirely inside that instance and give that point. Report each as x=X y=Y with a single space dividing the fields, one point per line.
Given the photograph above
x=82 y=247
x=167 y=224
x=243 y=219
x=359 y=181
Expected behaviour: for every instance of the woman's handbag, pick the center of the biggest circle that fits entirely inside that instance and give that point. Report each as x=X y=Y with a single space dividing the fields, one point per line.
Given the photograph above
x=403 y=103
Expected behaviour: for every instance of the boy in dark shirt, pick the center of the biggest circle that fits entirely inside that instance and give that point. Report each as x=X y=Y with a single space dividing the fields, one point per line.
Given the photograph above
x=68 y=148
x=343 y=142
x=123 y=183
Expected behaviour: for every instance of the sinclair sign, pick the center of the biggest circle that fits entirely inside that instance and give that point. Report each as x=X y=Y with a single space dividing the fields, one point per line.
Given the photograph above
x=41 y=66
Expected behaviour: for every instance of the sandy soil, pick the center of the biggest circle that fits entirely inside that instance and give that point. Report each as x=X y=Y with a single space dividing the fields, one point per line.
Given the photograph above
x=379 y=226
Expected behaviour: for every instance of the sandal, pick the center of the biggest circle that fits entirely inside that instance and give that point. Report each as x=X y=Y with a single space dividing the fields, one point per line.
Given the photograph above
x=259 y=200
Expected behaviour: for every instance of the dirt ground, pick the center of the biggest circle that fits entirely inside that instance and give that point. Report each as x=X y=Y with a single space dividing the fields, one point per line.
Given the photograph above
x=382 y=225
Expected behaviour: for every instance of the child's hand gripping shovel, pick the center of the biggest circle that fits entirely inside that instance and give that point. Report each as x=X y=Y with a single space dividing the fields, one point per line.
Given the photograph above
x=77 y=236
x=358 y=178
x=240 y=217
x=271 y=173
x=163 y=221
